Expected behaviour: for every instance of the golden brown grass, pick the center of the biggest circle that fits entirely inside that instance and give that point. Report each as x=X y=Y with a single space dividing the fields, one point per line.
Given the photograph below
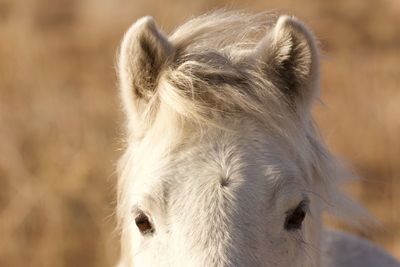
x=59 y=115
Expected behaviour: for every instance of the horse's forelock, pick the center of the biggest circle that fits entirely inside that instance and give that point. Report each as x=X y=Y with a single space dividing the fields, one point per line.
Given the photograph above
x=216 y=69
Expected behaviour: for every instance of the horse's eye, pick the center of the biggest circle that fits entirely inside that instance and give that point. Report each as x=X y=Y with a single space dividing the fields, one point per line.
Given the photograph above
x=143 y=224
x=295 y=218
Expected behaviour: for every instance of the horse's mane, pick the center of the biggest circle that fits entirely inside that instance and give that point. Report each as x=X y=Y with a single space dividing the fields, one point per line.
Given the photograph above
x=223 y=30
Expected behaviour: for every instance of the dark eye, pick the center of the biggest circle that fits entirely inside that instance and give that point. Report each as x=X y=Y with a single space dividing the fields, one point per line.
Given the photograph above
x=295 y=217
x=143 y=224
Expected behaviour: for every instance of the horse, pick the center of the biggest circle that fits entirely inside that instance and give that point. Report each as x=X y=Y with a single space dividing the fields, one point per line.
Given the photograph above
x=223 y=164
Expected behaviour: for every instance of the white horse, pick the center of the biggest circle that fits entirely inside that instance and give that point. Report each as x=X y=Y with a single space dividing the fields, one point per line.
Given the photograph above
x=223 y=166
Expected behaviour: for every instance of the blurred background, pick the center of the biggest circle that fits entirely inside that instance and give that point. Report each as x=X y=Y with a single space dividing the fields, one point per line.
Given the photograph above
x=60 y=118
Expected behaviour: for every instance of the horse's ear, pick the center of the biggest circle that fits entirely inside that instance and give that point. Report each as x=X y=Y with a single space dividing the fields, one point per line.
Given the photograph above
x=144 y=52
x=288 y=55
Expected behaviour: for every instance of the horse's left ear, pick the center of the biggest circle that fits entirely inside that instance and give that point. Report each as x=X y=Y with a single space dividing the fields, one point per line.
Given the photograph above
x=288 y=55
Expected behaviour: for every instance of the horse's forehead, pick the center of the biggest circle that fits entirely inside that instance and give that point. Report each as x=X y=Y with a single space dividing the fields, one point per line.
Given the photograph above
x=241 y=146
x=231 y=158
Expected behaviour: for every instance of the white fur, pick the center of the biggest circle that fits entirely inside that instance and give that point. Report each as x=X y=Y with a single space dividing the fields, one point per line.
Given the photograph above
x=216 y=161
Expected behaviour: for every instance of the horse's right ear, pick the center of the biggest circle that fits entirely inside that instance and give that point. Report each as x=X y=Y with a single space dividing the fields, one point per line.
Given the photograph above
x=143 y=54
x=289 y=57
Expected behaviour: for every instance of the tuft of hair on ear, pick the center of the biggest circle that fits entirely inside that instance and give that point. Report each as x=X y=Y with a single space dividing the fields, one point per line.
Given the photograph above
x=143 y=54
x=288 y=55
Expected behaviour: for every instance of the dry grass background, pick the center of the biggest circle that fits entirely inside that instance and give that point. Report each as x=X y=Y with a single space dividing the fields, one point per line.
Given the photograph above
x=59 y=115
